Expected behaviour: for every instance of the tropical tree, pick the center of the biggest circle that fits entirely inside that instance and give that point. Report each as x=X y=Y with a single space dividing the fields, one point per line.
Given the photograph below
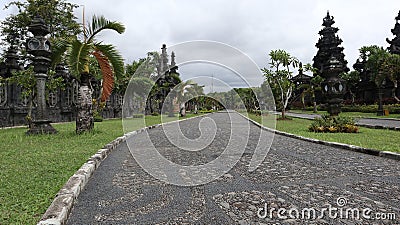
x=79 y=53
x=352 y=79
x=161 y=92
x=195 y=91
x=57 y=14
x=309 y=89
x=382 y=65
x=279 y=76
x=186 y=91
x=248 y=97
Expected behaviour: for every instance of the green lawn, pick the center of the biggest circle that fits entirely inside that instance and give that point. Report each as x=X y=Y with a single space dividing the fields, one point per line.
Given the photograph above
x=378 y=139
x=34 y=168
x=351 y=114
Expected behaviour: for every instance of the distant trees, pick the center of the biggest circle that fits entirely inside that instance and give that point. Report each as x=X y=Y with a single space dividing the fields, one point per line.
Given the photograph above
x=381 y=66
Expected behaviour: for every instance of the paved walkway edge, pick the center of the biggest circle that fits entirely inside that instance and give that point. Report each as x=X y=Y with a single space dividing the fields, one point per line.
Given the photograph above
x=385 y=154
x=360 y=125
x=58 y=211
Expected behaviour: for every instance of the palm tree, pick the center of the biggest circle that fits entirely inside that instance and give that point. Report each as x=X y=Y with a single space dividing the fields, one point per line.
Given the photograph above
x=164 y=85
x=141 y=87
x=183 y=95
x=79 y=53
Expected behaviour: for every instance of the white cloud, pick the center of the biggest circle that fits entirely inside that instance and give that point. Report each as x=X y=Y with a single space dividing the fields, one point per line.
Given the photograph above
x=253 y=26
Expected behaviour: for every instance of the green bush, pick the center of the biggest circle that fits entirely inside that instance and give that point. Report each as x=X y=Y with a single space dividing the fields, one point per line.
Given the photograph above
x=205 y=111
x=326 y=123
x=393 y=109
x=155 y=114
x=254 y=111
x=310 y=108
x=97 y=117
x=360 y=108
x=137 y=116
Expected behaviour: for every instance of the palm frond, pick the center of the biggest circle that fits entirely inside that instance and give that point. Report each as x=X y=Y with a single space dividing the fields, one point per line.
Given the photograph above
x=78 y=54
x=107 y=74
x=58 y=49
x=101 y=23
x=114 y=57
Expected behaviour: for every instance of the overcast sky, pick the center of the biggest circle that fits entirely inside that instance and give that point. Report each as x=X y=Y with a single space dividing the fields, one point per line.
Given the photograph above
x=253 y=26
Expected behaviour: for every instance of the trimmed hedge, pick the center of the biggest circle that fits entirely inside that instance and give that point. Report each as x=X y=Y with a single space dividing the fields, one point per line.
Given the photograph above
x=393 y=109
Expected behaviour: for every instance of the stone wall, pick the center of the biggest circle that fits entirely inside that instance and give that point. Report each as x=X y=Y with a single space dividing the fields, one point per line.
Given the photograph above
x=60 y=105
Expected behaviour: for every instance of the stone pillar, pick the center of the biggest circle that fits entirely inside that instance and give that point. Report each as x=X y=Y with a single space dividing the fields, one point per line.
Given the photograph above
x=333 y=87
x=39 y=47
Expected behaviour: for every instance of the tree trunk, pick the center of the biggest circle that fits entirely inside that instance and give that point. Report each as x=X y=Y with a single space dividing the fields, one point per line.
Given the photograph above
x=394 y=91
x=283 y=114
x=84 y=118
x=315 y=106
x=314 y=102
x=182 y=109
x=303 y=100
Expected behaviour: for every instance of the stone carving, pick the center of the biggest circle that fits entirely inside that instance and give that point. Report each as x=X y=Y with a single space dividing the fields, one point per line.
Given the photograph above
x=3 y=94
x=328 y=45
x=330 y=63
x=39 y=47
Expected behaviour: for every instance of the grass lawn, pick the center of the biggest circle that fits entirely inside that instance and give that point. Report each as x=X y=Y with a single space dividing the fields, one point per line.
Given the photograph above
x=351 y=114
x=378 y=139
x=34 y=168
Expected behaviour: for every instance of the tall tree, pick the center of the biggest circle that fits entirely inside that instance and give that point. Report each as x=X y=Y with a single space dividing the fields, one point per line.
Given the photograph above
x=382 y=65
x=78 y=57
x=57 y=14
x=279 y=76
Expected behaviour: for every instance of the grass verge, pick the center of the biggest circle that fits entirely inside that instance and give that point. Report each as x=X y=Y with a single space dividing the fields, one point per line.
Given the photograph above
x=34 y=168
x=378 y=139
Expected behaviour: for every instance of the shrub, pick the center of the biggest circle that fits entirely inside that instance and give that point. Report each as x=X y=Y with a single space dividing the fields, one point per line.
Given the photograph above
x=205 y=111
x=254 y=111
x=336 y=124
x=155 y=114
x=97 y=117
x=137 y=116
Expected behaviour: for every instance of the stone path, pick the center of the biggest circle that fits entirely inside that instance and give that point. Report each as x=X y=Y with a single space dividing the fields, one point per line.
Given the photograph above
x=296 y=176
x=381 y=123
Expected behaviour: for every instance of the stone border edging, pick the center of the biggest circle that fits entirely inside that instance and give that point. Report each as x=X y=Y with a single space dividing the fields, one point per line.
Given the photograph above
x=384 y=154
x=360 y=125
x=58 y=211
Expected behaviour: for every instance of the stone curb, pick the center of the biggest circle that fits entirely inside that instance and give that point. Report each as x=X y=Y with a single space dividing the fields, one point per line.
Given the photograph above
x=61 y=206
x=58 y=211
x=361 y=125
x=384 y=154
x=374 y=118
